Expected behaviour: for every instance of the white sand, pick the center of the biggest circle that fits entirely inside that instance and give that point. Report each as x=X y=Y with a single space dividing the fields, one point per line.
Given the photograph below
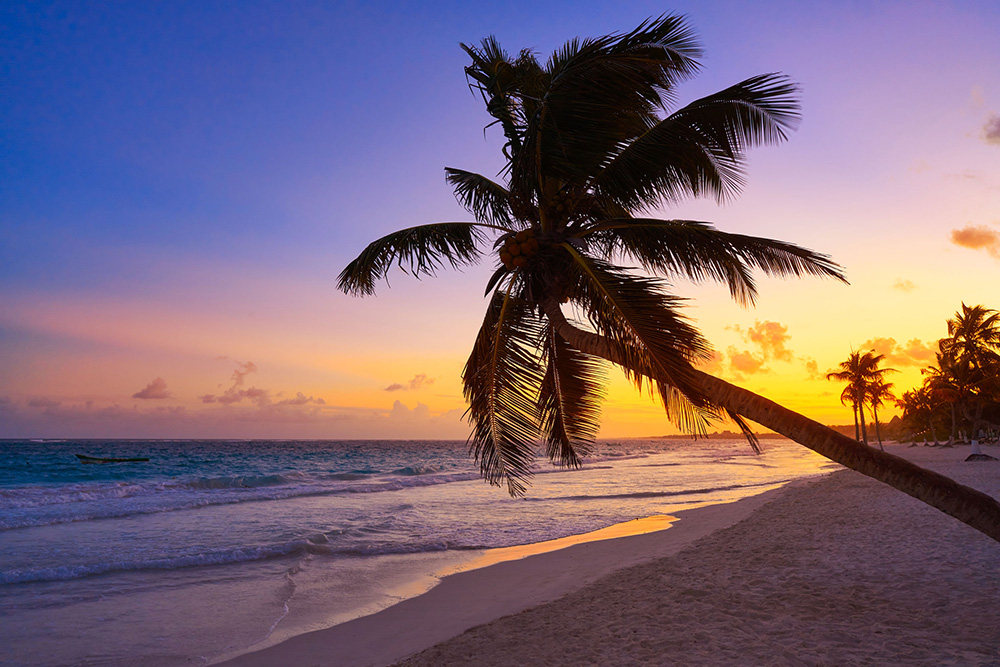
x=836 y=571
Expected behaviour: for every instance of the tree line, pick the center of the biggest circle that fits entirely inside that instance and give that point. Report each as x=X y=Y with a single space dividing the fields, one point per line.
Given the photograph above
x=959 y=395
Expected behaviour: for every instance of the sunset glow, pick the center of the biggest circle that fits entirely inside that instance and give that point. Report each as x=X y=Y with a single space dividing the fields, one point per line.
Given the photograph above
x=180 y=192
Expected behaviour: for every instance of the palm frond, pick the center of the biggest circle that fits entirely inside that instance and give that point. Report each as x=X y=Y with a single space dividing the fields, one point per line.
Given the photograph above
x=420 y=250
x=604 y=92
x=570 y=399
x=655 y=343
x=698 y=251
x=746 y=430
x=501 y=384
x=501 y=82
x=699 y=149
x=487 y=200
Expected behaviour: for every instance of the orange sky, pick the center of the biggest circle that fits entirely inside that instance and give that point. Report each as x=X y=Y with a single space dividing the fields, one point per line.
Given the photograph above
x=177 y=279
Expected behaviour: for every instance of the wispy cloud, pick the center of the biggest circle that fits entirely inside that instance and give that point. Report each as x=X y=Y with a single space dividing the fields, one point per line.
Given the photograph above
x=45 y=403
x=991 y=130
x=235 y=393
x=299 y=417
x=420 y=380
x=260 y=398
x=977 y=237
x=301 y=399
x=157 y=389
x=812 y=369
x=904 y=285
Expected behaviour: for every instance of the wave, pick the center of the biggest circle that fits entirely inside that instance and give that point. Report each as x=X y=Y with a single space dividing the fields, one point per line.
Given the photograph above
x=237 y=555
x=416 y=470
x=242 y=482
x=317 y=545
x=110 y=501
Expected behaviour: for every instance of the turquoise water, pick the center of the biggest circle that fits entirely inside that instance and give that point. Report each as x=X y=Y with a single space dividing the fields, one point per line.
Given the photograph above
x=213 y=546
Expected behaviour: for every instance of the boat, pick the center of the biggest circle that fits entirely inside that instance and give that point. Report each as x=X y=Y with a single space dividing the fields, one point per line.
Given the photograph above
x=101 y=459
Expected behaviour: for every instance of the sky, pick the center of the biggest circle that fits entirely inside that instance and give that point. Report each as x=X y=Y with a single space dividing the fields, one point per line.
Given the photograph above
x=182 y=182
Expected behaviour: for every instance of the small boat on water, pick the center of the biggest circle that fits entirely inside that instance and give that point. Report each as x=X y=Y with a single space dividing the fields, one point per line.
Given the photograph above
x=100 y=459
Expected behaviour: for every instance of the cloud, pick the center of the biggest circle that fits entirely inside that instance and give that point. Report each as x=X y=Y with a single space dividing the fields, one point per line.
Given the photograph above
x=745 y=362
x=770 y=337
x=47 y=403
x=85 y=420
x=420 y=380
x=913 y=353
x=235 y=393
x=301 y=399
x=991 y=130
x=712 y=365
x=157 y=389
x=242 y=370
x=812 y=369
x=904 y=285
x=977 y=237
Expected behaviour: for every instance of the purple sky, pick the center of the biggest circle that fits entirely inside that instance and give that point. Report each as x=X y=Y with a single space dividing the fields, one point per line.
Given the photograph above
x=182 y=182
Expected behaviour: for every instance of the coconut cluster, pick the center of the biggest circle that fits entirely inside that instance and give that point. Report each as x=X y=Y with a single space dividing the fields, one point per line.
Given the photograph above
x=516 y=250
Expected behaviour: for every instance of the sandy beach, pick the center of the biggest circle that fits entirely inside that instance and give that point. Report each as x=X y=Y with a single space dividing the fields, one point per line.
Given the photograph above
x=839 y=570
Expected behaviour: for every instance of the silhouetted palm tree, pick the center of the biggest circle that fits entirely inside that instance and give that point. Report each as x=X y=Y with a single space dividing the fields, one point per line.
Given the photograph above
x=853 y=393
x=592 y=145
x=847 y=397
x=974 y=341
x=949 y=383
x=879 y=391
x=863 y=377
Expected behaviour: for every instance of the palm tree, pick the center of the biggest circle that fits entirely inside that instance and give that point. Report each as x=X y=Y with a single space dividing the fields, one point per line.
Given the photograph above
x=949 y=383
x=879 y=391
x=593 y=143
x=863 y=377
x=974 y=340
x=918 y=406
x=847 y=397
x=851 y=372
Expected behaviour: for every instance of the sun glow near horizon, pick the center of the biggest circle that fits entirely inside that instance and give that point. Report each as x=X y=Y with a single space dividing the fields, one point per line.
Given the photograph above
x=205 y=255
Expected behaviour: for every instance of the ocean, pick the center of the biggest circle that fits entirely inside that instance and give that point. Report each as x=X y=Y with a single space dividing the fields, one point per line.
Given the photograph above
x=213 y=547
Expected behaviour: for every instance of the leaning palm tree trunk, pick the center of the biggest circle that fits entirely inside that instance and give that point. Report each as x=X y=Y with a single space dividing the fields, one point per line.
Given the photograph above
x=968 y=505
x=965 y=504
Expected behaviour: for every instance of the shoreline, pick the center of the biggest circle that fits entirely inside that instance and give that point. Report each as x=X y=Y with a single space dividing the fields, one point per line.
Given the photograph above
x=499 y=583
x=833 y=568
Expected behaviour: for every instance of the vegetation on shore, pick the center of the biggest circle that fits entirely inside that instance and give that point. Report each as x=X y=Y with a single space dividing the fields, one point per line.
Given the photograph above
x=960 y=395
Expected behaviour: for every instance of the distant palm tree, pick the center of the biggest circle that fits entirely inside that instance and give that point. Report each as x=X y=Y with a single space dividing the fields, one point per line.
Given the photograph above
x=917 y=407
x=863 y=377
x=591 y=147
x=853 y=393
x=949 y=384
x=847 y=397
x=879 y=391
